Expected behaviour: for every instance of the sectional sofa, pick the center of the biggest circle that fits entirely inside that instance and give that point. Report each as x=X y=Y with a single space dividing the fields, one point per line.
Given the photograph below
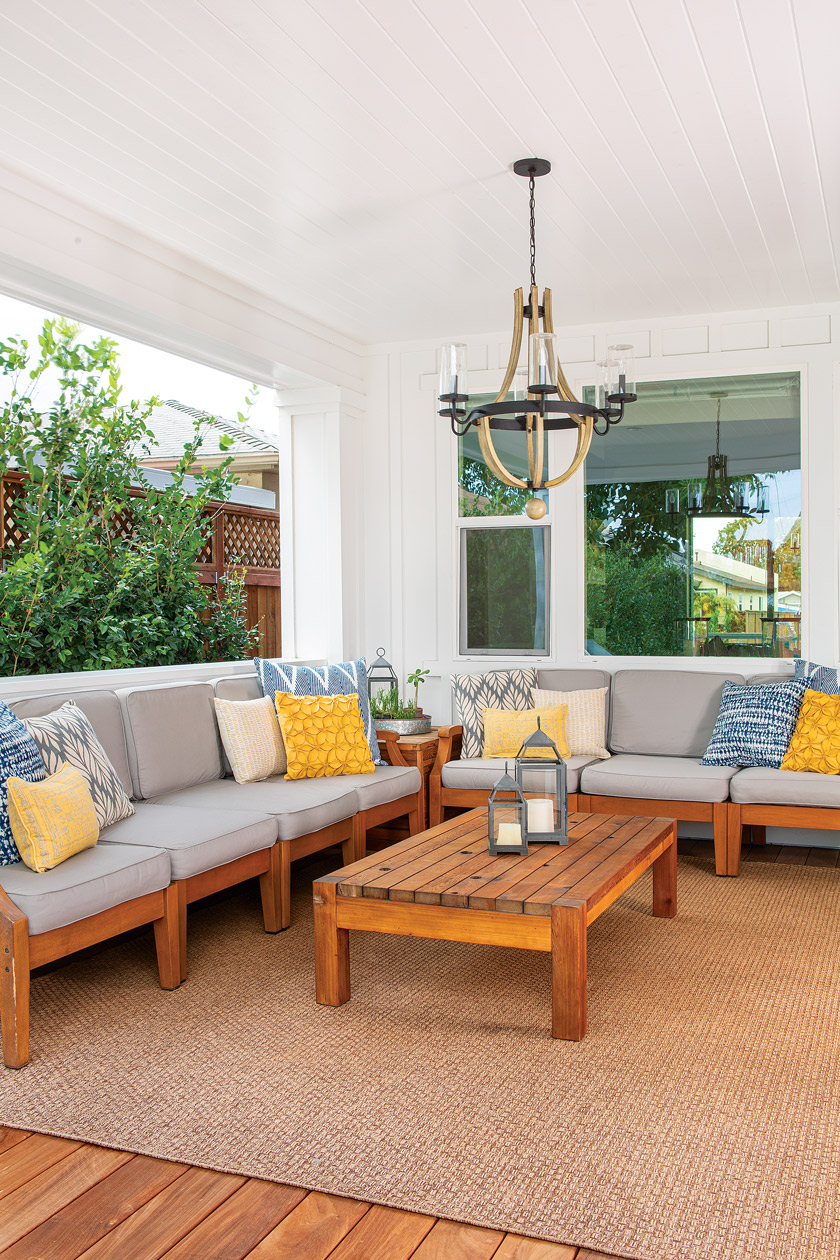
x=195 y=831
x=658 y=725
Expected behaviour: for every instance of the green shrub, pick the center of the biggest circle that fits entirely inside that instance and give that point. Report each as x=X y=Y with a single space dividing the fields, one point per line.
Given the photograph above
x=78 y=594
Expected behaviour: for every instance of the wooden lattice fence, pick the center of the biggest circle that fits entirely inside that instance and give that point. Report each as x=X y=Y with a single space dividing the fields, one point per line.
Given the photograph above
x=238 y=537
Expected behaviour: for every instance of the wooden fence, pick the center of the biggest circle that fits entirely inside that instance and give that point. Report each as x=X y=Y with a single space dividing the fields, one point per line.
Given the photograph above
x=238 y=537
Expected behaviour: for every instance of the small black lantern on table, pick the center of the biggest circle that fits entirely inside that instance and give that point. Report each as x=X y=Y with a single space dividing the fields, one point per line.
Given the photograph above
x=507 y=817
x=381 y=674
x=547 y=817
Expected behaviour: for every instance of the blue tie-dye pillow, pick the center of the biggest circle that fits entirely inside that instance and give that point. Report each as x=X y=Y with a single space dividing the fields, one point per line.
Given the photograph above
x=20 y=759
x=755 y=723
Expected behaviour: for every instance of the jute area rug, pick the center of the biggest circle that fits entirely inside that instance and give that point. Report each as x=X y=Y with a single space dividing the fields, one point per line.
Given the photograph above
x=698 y=1119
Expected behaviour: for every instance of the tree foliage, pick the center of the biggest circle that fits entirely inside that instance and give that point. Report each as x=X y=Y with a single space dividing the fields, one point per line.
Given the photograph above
x=78 y=594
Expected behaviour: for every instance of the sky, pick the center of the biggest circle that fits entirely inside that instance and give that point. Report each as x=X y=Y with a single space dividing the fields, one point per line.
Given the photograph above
x=146 y=371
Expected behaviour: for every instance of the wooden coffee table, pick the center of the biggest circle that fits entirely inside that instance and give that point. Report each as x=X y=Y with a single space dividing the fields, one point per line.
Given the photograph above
x=443 y=884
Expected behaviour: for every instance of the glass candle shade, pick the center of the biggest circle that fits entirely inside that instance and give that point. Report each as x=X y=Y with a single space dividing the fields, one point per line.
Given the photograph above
x=453 y=369
x=605 y=382
x=542 y=363
x=672 y=501
x=623 y=358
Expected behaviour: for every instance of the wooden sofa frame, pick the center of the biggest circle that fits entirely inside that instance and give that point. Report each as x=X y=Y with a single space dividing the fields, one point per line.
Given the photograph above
x=21 y=953
x=412 y=805
x=727 y=817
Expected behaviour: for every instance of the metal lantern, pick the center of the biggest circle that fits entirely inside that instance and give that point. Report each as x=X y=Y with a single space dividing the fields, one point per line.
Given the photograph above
x=507 y=817
x=547 y=816
x=381 y=674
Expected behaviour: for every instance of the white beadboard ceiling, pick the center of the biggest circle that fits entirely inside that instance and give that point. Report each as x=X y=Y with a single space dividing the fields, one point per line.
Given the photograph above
x=351 y=157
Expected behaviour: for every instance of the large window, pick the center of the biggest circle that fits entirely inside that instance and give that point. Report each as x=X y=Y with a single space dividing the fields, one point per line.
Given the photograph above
x=671 y=569
x=504 y=558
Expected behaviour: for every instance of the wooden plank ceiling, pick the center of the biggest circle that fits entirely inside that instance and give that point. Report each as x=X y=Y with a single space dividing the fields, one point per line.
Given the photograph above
x=351 y=157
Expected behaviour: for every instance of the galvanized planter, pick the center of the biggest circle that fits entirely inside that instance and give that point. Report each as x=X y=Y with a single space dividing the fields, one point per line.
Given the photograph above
x=404 y=726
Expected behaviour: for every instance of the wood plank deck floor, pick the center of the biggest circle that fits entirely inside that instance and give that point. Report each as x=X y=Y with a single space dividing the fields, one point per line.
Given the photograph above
x=65 y=1200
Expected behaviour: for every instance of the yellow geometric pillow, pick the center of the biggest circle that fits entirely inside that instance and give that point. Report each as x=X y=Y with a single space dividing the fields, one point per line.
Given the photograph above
x=815 y=743
x=323 y=735
x=506 y=729
x=586 y=720
x=53 y=819
x=251 y=736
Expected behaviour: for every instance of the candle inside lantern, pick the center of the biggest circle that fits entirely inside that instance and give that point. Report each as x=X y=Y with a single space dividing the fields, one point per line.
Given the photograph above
x=509 y=833
x=540 y=815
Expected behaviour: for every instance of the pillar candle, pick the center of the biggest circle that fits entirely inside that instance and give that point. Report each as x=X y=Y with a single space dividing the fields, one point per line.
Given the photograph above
x=509 y=833
x=540 y=815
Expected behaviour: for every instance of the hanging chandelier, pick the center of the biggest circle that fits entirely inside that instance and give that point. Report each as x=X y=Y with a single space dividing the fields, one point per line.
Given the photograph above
x=718 y=496
x=551 y=403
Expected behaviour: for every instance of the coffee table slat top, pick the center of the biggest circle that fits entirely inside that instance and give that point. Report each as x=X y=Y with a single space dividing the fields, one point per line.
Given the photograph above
x=450 y=865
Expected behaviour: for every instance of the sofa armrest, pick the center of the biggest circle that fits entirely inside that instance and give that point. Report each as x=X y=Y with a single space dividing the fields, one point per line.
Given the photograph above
x=449 y=747
x=389 y=748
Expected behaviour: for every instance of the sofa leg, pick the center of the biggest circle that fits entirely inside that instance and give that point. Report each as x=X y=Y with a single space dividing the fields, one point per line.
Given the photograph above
x=359 y=839
x=350 y=847
x=171 y=936
x=14 y=990
x=435 y=807
x=727 y=828
x=416 y=815
x=275 y=888
x=758 y=835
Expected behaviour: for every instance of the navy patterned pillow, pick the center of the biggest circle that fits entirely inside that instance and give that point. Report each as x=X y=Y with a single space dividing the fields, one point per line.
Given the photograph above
x=755 y=723
x=498 y=689
x=19 y=759
x=348 y=678
x=820 y=677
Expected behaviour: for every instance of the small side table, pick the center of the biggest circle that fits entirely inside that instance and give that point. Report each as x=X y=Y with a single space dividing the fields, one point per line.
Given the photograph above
x=420 y=751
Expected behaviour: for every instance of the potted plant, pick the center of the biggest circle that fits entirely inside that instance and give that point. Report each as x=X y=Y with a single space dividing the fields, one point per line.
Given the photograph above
x=392 y=713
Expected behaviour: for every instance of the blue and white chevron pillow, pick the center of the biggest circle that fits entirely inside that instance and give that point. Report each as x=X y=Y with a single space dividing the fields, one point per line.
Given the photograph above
x=820 y=677
x=755 y=723
x=21 y=759
x=321 y=680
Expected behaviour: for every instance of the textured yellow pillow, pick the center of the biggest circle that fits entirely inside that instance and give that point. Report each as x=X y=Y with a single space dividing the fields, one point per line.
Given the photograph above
x=815 y=742
x=505 y=730
x=323 y=736
x=251 y=736
x=586 y=719
x=53 y=819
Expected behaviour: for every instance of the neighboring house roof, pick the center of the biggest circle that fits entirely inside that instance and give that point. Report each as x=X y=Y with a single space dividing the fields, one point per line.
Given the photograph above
x=173 y=424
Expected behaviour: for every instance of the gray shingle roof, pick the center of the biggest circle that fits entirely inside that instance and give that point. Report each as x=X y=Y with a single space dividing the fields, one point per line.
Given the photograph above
x=173 y=423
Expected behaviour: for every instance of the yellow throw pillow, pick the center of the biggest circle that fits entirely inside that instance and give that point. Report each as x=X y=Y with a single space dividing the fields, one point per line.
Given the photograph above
x=53 y=819
x=323 y=736
x=815 y=742
x=586 y=719
x=251 y=736
x=506 y=729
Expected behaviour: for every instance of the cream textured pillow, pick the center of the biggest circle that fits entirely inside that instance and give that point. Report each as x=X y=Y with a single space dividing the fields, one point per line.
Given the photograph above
x=586 y=718
x=251 y=737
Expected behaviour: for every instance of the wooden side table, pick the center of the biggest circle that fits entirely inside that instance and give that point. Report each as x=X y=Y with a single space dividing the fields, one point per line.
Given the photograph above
x=420 y=751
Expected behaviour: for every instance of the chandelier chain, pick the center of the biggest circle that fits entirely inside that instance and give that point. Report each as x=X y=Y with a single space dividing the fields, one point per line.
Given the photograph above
x=533 y=230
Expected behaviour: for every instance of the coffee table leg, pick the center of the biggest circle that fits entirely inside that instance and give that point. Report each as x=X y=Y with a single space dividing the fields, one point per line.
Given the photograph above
x=332 y=948
x=665 y=880
x=568 y=971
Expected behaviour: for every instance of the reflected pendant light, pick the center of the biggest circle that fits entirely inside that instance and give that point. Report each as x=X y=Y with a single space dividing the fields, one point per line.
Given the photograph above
x=551 y=403
x=720 y=496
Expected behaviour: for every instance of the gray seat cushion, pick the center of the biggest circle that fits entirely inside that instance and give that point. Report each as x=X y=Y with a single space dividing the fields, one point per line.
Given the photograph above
x=301 y=806
x=482 y=773
x=172 y=736
x=103 y=711
x=762 y=786
x=665 y=712
x=387 y=783
x=196 y=839
x=657 y=778
x=94 y=880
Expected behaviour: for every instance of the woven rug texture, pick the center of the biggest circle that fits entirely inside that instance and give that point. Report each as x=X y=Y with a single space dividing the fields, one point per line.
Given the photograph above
x=698 y=1119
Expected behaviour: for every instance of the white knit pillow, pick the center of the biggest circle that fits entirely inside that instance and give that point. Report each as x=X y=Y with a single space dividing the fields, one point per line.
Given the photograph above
x=586 y=718
x=251 y=736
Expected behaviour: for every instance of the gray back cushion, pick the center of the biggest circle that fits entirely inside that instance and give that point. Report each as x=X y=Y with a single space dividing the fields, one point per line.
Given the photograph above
x=665 y=712
x=771 y=678
x=102 y=709
x=238 y=687
x=173 y=739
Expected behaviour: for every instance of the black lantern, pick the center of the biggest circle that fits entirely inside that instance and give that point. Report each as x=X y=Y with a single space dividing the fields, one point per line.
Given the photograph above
x=507 y=818
x=381 y=674
x=547 y=816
